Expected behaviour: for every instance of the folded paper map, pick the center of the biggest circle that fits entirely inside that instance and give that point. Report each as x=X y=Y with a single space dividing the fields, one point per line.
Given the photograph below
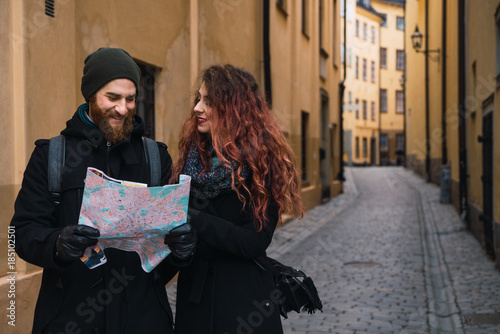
x=131 y=216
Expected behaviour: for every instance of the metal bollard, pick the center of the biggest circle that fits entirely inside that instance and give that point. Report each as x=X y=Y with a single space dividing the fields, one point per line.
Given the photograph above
x=445 y=184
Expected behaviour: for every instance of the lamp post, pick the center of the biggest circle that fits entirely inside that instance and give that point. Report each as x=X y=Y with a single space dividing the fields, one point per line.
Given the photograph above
x=416 y=39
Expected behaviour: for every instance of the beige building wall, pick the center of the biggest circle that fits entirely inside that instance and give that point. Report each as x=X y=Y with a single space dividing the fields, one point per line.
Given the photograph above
x=43 y=62
x=420 y=136
x=351 y=100
x=416 y=133
x=391 y=79
x=302 y=68
x=435 y=89
x=482 y=77
x=479 y=77
x=361 y=117
x=452 y=100
x=366 y=87
x=495 y=68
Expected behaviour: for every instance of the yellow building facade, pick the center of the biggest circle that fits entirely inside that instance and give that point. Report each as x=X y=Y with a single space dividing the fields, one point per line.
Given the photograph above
x=452 y=109
x=361 y=99
x=424 y=91
x=392 y=68
x=291 y=47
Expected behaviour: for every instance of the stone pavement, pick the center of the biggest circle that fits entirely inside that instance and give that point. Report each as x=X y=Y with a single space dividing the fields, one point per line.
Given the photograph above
x=387 y=257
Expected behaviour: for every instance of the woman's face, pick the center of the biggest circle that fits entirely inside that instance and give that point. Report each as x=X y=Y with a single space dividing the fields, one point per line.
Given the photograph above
x=203 y=109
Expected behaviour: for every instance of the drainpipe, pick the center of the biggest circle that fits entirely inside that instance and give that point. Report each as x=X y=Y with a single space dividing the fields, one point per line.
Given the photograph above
x=379 y=113
x=427 y=140
x=462 y=144
x=340 y=176
x=267 y=55
x=443 y=89
x=404 y=89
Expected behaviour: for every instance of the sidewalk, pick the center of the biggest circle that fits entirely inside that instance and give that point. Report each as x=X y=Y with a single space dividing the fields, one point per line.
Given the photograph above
x=474 y=290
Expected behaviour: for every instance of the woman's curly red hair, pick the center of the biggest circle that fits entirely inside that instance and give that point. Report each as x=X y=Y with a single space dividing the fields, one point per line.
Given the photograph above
x=244 y=128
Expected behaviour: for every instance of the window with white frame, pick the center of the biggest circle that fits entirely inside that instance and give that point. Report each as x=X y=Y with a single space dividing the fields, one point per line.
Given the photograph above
x=357 y=67
x=383 y=57
x=383 y=23
x=400 y=102
x=400 y=23
x=373 y=71
x=400 y=60
x=383 y=100
x=364 y=70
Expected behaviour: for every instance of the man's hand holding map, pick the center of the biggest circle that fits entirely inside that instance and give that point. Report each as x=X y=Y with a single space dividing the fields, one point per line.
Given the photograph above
x=131 y=216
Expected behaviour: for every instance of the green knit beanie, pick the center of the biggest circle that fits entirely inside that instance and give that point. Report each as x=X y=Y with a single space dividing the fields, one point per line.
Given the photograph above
x=105 y=65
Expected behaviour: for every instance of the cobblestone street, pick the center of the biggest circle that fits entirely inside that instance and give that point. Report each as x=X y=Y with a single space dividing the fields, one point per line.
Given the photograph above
x=387 y=257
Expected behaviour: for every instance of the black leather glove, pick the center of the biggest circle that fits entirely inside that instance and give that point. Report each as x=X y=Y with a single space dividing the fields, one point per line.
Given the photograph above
x=182 y=241
x=73 y=241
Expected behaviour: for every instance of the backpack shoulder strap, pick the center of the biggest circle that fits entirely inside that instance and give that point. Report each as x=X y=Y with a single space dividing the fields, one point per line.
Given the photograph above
x=56 y=162
x=153 y=159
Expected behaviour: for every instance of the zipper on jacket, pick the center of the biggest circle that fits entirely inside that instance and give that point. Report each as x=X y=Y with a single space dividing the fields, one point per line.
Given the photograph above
x=107 y=159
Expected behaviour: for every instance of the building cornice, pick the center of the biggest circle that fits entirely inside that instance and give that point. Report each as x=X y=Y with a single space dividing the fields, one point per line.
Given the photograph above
x=370 y=9
x=393 y=2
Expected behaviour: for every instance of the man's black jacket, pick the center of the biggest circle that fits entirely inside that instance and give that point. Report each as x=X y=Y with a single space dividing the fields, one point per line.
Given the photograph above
x=117 y=297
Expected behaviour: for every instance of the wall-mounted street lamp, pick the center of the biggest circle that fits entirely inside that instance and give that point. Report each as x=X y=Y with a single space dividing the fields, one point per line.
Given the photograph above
x=416 y=40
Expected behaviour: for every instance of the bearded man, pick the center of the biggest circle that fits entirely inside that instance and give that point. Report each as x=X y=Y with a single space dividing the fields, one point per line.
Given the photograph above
x=104 y=133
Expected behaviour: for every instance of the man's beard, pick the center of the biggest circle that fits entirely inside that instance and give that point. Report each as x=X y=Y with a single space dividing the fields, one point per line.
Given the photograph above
x=101 y=117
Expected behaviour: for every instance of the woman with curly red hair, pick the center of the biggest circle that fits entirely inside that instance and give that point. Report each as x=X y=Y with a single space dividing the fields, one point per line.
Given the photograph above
x=243 y=179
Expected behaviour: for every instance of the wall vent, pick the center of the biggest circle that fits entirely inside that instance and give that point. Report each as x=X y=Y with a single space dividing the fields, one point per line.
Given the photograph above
x=50 y=8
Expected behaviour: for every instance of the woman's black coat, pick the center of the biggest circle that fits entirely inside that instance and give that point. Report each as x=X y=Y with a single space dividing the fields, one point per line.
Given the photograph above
x=117 y=297
x=223 y=290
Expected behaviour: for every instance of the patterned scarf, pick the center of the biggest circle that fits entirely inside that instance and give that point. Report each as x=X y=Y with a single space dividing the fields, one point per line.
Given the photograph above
x=214 y=182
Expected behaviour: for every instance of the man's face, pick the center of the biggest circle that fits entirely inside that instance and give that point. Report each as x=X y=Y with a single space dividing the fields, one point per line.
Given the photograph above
x=112 y=109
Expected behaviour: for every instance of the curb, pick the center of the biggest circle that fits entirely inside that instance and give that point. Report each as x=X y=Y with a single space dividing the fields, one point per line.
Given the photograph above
x=444 y=313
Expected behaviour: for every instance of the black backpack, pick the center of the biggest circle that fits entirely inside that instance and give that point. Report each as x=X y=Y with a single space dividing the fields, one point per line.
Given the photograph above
x=57 y=150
